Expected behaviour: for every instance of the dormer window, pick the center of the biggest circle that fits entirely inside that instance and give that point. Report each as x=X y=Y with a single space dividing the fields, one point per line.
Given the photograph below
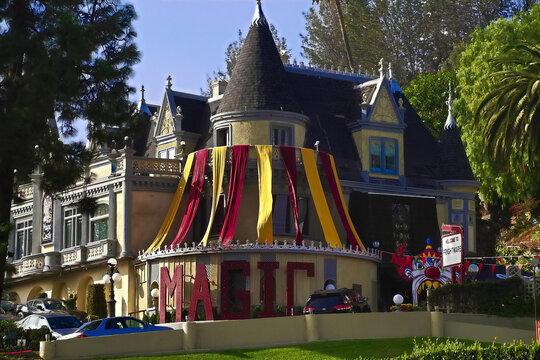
x=383 y=155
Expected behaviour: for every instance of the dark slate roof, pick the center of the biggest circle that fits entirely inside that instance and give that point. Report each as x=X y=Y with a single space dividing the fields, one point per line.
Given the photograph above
x=330 y=104
x=455 y=164
x=193 y=109
x=421 y=150
x=258 y=81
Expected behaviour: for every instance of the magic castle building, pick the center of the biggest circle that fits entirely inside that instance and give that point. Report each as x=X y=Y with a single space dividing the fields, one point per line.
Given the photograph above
x=287 y=180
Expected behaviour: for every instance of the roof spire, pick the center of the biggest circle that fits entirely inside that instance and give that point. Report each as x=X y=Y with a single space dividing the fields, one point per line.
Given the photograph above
x=169 y=82
x=142 y=95
x=381 y=68
x=258 y=17
x=450 y=122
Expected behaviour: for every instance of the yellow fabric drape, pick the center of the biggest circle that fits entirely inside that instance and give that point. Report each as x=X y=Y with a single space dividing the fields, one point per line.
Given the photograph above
x=264 y=166
x=173 y=208
x=315 y=186
x=343 y=203
x=218 y=160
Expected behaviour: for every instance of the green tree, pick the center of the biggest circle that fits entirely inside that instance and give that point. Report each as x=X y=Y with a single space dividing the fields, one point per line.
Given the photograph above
x=428 y=95
x=476 y=78
x=59 y=61
x=510 y=111
x=321 y=43
x=338 y=11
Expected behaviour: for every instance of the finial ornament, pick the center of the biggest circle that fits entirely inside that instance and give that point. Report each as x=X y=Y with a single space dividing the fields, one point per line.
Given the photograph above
x=389 y=70
x=169 y=82
x=381 y=68
x=450 y=102
x=142 y=95
x=258 y=16
x=450 y=121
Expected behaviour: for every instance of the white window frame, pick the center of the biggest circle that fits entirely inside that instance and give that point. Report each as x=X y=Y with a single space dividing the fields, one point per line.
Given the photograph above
x=167 y=153
x=76 y=231
x=227 y=127
x=24 y=248
x=94 y=219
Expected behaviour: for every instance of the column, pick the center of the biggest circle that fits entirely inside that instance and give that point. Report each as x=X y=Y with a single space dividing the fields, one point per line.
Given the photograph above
x=37 y=210
x=112 y=214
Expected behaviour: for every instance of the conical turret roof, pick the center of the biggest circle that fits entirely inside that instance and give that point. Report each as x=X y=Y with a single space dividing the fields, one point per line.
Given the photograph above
x=259 y=80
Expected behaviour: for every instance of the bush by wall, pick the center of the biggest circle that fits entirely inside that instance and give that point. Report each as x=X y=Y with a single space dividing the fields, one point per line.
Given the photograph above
x=95 y=301
x=455 y=350
x=503 y=298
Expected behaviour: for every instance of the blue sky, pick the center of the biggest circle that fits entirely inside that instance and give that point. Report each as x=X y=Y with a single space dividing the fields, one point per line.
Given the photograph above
x=188 y=38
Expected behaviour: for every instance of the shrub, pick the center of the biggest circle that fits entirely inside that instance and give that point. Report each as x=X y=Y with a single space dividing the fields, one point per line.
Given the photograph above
x=95 y=301
x=456 y=350
x=71 y=303
x=503 y=298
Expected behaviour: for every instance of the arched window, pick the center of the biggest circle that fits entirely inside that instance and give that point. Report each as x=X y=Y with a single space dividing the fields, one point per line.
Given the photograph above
x=99 y=223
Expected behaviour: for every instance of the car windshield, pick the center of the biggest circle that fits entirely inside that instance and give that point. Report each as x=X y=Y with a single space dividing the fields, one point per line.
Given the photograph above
x=63 y=322
x=54 y=305
x=327 y=301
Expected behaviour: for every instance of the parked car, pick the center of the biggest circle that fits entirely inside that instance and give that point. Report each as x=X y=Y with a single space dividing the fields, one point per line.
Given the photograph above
x=336 y=301
x=113 y=326
x=45 y=306
x=58 y=324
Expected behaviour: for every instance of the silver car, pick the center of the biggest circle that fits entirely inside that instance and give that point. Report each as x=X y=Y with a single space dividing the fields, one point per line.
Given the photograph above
x=58 y=324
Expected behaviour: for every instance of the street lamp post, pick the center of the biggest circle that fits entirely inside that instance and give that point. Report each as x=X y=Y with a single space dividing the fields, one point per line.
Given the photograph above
x=111 y=276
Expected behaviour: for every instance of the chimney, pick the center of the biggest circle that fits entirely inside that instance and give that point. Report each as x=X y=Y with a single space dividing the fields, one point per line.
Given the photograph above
x=218 y=87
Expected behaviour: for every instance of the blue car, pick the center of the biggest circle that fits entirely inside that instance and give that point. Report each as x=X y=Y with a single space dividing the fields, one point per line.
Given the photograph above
x=113 y=326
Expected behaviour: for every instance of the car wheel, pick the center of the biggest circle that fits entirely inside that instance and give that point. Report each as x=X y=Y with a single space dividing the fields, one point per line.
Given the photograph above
x=20 y=315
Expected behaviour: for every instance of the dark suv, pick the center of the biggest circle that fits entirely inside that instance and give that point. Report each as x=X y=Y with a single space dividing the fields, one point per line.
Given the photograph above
x=336 y=301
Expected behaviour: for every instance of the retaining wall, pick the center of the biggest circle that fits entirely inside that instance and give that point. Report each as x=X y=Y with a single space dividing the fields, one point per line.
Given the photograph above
x=279 y=331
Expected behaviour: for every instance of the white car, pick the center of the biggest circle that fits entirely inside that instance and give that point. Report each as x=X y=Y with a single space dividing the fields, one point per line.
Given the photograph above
x=58 y=324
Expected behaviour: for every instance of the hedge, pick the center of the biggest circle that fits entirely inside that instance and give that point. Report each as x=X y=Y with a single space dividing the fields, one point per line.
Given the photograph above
x=502 y=297
x=456 y=350
x=95 y=301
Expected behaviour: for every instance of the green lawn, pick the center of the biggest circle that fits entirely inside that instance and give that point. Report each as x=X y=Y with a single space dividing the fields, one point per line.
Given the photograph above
x=345 y=349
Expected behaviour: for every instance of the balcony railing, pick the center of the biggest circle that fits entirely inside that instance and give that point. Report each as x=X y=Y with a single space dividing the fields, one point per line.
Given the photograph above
x=100 y=250
x=29 y=265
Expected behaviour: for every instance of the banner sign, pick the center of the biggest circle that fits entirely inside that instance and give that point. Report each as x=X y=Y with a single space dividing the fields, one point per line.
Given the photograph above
x=452 y=253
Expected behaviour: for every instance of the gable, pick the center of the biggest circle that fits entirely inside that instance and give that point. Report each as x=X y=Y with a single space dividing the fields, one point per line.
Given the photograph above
x=165 y=124
x=384 y=108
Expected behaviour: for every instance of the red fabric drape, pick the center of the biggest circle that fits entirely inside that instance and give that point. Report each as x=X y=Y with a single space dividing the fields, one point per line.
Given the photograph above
x=288 y=154
x=337 y=200
x=194 y=196
x=238 y=170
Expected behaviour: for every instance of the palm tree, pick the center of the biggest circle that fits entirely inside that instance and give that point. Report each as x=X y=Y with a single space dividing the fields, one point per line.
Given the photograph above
x=511 y=109
x=339 y=12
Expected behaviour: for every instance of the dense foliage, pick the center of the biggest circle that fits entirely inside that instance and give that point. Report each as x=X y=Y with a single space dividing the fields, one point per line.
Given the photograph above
x=516 y=180
x=429 y=95
x=418 y=37
x=95 y=301
x=503 y=298
x=60 y=61
x=457 y=350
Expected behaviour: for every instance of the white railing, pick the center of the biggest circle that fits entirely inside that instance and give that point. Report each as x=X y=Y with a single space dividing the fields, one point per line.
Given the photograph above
x=100 y=250
x=29 y=264
x=72 y=256
x=285 y=246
